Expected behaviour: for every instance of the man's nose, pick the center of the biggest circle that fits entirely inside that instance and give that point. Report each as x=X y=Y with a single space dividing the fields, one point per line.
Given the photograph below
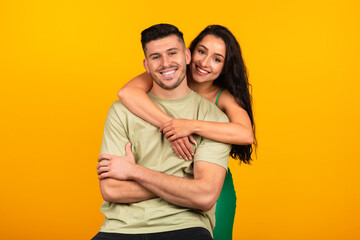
x=165 y=61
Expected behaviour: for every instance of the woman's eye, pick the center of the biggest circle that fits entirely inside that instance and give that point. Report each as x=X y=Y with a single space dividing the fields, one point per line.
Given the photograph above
x=201 y=51
x=217 y=60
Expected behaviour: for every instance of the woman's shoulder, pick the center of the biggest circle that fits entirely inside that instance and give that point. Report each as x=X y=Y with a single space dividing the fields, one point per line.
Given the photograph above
x=226 y=100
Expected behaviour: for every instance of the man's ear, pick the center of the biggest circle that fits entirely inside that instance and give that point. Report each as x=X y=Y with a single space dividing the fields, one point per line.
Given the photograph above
x=187 y=56
x=146 y=66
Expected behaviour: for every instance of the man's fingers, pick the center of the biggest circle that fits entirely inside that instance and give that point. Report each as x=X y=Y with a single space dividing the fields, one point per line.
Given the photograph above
x=104 y=157
x=102 y=164
x=104 y=175
x=102 y=169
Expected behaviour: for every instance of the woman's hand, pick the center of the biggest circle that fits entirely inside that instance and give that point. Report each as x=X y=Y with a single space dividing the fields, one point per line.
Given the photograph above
x=178 y=128
x=182 y=147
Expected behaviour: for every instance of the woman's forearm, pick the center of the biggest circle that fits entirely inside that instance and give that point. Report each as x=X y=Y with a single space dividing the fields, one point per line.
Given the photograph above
x=133 y=96
x=139 y=103
x=233 y=133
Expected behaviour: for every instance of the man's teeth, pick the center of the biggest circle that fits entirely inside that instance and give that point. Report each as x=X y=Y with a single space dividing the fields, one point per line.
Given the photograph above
x=202 y=71
x=168 y=73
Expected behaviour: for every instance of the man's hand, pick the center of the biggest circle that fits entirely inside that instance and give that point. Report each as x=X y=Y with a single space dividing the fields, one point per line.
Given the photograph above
x=116 y=167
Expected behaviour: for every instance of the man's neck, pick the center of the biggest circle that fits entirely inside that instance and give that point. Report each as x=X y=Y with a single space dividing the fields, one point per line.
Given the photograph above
x=179 y=92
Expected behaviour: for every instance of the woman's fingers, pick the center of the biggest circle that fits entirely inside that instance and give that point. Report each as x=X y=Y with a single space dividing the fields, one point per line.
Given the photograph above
x=185 y=145
x=175 y=150
x=166 y=129
x=179 y=150
x=188 y=146
x=169 y=134
x=192 y=139
x=171 y=137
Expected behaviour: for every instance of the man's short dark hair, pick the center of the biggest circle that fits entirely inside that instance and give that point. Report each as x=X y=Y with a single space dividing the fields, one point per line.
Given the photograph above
x=159 y=31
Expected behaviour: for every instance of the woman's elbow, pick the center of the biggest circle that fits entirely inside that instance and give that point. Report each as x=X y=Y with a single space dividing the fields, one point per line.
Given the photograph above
x=250 y=139
x=121 y=94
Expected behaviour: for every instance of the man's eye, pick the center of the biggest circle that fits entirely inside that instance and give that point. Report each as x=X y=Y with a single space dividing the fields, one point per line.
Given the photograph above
x=172 y=53
x=154 y=58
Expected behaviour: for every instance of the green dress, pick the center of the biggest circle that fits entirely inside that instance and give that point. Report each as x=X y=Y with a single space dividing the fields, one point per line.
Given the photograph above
x=225 y=207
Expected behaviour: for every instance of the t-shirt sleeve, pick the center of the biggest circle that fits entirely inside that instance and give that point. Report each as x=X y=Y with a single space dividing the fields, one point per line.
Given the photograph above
x=213 y=151
x=115 y=136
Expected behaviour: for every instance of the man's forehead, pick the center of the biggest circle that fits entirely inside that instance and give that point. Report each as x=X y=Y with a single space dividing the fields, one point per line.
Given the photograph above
x=163 y=44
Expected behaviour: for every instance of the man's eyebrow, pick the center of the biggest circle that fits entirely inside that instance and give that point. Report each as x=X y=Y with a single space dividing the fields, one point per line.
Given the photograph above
x=153 y=54
x=168 y=50
x=208 y=50
x=172 y=49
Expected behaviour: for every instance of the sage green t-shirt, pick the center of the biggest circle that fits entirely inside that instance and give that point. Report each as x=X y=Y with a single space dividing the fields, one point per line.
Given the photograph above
x=152 y=150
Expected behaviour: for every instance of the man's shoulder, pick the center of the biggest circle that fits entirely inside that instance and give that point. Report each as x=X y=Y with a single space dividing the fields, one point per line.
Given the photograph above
x=209 y=111
x=119 y=107
x=119 y=111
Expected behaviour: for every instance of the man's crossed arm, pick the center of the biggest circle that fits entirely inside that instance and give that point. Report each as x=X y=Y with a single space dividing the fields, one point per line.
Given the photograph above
x=123 y=181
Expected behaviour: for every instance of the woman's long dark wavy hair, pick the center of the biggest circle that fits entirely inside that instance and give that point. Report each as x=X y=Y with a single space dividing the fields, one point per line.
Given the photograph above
x=234 y=78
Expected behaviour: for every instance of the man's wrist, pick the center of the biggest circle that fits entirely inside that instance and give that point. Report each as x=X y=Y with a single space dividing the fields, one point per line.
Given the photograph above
x=136 y=172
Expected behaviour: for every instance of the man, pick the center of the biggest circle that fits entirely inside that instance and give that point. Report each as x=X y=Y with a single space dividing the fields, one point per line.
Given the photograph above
x=150 y=192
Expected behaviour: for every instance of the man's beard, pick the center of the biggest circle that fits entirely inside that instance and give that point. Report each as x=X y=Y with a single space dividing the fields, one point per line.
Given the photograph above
x=175 y=85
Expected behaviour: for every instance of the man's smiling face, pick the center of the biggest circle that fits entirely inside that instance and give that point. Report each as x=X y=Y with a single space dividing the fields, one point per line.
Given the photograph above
x=166 y=60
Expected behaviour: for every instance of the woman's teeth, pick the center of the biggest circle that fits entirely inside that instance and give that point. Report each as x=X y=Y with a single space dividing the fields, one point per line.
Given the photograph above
x=202 y=71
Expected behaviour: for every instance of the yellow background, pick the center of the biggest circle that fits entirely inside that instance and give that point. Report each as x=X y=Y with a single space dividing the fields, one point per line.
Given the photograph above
x=62 y=62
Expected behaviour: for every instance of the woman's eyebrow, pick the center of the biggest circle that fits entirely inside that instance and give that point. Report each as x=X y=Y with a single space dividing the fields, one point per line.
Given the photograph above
x=203 y=46
x=219 y=54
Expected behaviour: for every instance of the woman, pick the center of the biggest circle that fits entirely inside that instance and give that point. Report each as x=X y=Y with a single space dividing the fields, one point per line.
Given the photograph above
x=218 y=73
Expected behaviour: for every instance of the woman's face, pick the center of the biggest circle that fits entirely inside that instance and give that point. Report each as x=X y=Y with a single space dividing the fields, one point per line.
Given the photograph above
x=208 y=59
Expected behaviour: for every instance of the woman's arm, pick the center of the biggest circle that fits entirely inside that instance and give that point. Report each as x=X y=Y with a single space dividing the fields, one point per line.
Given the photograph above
x=133 y=96
x=238 y=131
